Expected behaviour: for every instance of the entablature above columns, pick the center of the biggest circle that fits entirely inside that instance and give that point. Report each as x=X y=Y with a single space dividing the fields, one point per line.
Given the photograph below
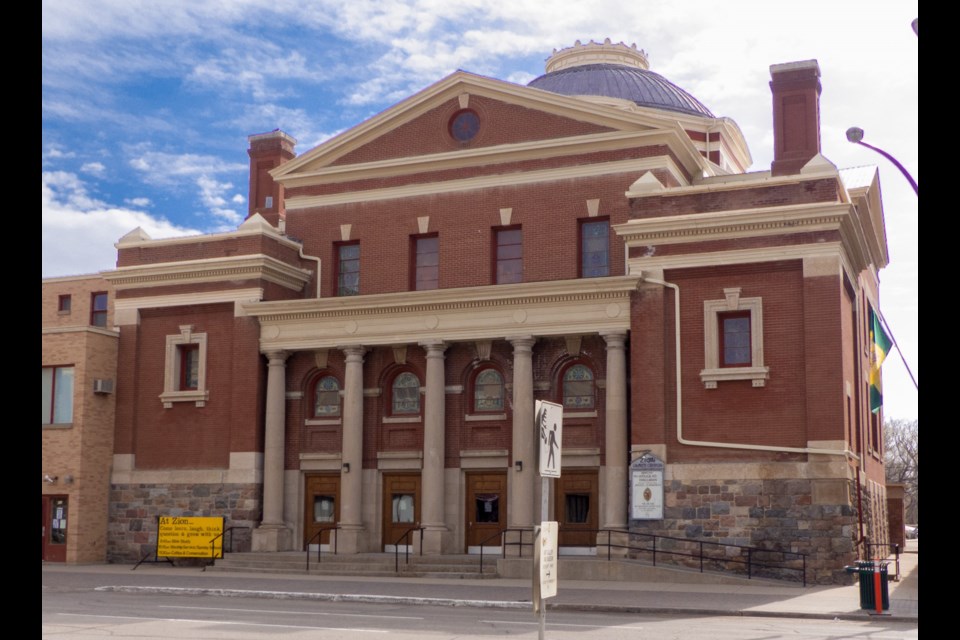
x=555 y=308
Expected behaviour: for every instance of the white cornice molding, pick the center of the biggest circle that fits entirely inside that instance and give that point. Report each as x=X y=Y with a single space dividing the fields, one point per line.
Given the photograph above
x=48 y=331
x=475 y=313
x=389 y=303
x=126 y=309
x=75 y=278
x=654 y=263
x=250 y=227
x=738 y=181
x=500 y=154
x=227 y=269
x=634 y=166
x=739 y=223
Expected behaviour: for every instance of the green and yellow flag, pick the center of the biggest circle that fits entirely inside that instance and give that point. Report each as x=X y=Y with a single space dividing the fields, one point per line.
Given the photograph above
x=880 y=344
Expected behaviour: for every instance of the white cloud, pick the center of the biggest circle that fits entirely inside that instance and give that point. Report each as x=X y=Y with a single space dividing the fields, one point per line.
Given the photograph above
x=139 y=202
x=93 y=168
x=172 y=168
x=213 y=194
x=54 y=152
x=168 y=169
x=78 y=232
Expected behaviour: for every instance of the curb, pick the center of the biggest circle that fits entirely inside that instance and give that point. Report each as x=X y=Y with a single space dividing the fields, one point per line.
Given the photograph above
x=501 y=604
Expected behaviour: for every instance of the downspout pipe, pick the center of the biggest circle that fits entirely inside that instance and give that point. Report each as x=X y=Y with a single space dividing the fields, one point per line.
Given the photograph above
x=706 y=443
x=304 y=256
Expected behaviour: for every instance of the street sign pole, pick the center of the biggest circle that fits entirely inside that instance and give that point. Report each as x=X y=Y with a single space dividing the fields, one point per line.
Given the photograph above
x=549 y=430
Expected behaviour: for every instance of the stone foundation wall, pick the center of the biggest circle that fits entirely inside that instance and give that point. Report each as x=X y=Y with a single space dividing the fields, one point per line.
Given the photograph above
x=774 y=515
x=134 y=508
x=875 y=519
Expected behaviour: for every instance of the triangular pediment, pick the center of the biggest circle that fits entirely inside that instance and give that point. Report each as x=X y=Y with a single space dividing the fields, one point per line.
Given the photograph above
x=508 y=116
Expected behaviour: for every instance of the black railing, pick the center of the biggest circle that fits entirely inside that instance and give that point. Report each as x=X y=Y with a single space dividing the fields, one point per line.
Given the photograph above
x=222 y=534
x=320 y=545
x=776 y=561
x=505 y=543
x=406 y=547
x=752 y=558
x=881 y=551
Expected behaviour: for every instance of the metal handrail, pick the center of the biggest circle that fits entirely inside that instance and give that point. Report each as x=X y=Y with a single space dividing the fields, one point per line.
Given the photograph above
x=504 y=544
x=750 y=563
x=891 y=548
x=320 y=546
x=222 y=534
x=406 y=547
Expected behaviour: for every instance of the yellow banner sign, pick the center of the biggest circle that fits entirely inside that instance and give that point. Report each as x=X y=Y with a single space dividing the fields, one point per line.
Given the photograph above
x=189 y=537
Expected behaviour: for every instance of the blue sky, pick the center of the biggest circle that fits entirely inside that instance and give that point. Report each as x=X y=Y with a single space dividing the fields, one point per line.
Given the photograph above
x=146 y=105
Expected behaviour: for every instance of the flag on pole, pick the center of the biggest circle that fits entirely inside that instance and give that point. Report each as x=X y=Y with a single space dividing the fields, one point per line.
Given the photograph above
x=880 y=344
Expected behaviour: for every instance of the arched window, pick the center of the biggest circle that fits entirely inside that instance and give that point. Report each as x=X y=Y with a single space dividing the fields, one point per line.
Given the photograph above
x=405 y=394
x=326 y=397
x=578 y=391
x=488 y=391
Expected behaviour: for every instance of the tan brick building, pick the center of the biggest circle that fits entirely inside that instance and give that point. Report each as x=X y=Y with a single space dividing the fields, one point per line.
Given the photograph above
x=79 y=364
x=366 y=349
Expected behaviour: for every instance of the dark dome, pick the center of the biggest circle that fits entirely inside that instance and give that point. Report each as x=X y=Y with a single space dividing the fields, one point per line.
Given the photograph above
x=641 y=86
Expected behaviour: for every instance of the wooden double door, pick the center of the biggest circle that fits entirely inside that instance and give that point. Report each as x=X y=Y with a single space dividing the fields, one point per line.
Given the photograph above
x=321 y=507
x=401 y=507
x=576 y=507
x=485 y=510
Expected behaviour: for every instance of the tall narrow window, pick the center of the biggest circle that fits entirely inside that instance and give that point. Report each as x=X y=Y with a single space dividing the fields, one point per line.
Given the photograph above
x=189 y=366
x=326 y=397
x=508 y=263
x=348 y=269
x=426 y=263
x=734 y=331
x=578 y=390
x=594 y=248
x=488 y=391
x=56 y=399
x=98 y=309
x=64 y=303
x=405 y=394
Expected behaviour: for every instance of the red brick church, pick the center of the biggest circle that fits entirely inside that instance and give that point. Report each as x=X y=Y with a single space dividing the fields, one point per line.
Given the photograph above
x=366 y=349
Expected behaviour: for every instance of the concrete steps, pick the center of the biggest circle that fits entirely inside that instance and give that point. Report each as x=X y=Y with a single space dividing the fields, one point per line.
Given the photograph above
x=365 y=564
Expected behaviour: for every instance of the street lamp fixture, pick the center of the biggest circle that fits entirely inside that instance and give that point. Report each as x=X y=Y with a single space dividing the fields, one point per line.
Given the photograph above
x=855 y=135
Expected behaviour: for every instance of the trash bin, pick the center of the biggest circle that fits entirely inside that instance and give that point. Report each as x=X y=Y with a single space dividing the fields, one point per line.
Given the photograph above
x=867 y=572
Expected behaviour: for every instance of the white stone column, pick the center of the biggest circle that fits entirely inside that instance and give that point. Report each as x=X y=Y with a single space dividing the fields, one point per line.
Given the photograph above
x=273 y=533
x=522 y=482
x=434 y=425
x=351 y=451
x=614 y=488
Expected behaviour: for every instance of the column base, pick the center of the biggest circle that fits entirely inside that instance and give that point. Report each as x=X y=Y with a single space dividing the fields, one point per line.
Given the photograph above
x=618 y=542
x=348 y=539
x=434 y=539
x=272 y=537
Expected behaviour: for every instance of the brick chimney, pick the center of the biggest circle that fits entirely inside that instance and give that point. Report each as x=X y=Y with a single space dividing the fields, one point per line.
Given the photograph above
x=268 y=151
x=796 y=115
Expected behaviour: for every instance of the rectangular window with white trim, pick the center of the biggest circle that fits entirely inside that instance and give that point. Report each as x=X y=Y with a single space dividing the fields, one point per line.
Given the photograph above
x=733 y=340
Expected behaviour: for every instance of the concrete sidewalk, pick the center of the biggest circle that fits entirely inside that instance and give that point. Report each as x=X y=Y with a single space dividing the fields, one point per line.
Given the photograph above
x=762 y=599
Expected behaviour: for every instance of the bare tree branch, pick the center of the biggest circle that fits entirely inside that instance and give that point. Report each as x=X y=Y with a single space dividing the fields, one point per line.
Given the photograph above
x=902 y=458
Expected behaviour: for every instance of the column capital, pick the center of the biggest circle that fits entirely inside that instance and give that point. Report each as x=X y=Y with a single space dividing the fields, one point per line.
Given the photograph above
x=522 y=342
x=277 y=357
x=614 y=339
x=353 y=351
x=434 y=348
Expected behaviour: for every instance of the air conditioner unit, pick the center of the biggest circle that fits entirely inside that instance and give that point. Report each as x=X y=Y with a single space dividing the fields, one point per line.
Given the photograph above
x=101 y=385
